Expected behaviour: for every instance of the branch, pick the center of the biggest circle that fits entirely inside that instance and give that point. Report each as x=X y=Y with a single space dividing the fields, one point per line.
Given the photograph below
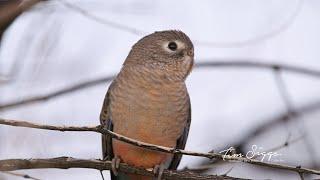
x=259 y=38
x=205 y=166
x=11 y=9
x=57 y=93
x=26 y=176
x=103 y=21
x=269 y=124
x=282 y=118
x=288 y=116
x=285 y=25
x=69 y=162
x=222 y=63
x=253 y=63
x=284 y=92
x=210 y=155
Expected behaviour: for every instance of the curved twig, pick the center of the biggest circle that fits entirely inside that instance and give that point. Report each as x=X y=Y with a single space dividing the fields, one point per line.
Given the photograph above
x=210 y=155
x=26 y=176
x=285 y=25
x=243 y=63
x=259 y=38
x=222 y=63
x=103 y=21
x=69 y=162
x=57 y=93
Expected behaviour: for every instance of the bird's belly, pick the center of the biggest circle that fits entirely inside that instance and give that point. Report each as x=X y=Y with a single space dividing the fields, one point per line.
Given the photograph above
x=140 y=157
x=152 y=116
x=149 y=127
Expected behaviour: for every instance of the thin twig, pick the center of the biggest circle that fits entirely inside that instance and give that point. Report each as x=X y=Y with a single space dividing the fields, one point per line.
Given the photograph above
x=282 y=88
x=227 y=172
x=221 y=63
x=259 y=38
x=57 y=93
x=268 y=124
x=254 y=63
x=285 y=95
x=285 y=144
x=103 y=21
x=206 y=167
x=285 y=25
x=26 y=176
x=69 y=162
x=10 y=10
x=273 y=122
x=212 y=155
x=260 y=129
x=301 y=176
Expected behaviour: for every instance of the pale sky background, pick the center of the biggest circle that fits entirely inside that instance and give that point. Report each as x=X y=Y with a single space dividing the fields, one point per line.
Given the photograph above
x=52 y=46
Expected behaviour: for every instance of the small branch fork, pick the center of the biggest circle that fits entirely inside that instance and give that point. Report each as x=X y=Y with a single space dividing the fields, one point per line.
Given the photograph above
x=69 y=162
x=100 y=129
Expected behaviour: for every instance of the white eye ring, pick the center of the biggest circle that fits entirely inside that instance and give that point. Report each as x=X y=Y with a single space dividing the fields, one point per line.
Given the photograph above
x=179 y=45
x=173 y=46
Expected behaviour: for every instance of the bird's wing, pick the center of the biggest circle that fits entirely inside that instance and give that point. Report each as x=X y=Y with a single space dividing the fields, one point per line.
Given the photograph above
x=181 y=142
x=106 y=121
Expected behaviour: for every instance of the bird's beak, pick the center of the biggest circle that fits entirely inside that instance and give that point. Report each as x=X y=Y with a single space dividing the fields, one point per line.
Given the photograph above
x=190 y=52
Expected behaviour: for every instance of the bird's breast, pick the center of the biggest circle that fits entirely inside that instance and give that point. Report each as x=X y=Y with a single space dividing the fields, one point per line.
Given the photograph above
x=152 y=113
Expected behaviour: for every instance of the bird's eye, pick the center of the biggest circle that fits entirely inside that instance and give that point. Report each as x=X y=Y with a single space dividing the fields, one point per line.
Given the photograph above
x=172 y=46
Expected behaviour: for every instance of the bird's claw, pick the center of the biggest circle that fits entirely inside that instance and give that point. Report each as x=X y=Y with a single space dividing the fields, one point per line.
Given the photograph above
x=115 y=165
x=158 y=171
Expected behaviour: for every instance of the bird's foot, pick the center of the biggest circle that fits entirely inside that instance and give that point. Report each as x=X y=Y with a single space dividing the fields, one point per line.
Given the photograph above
x=158 y=171
x=115 y=165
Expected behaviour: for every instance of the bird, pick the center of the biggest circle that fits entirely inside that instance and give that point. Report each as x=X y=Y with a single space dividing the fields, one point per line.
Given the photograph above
x=148 y=101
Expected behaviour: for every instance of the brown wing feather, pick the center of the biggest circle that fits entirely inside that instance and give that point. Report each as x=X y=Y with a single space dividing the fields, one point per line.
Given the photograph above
x=106 y=121
x=181 y=142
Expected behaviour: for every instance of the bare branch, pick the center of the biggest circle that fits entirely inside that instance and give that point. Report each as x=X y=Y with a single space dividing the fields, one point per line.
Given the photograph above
x=301 y=176
x=64 y=91
x=103 y=20
x=291 y=110
x=69 y=162
x=210 y=155
x=26 y=176
x=11 y=9
x=259 y=38
x=285 y=144
x=290 y=115
x=221 y=63
x=254 y=63
x=285 y=25
x=279 y=119
x=206 y=166
x=282 y=88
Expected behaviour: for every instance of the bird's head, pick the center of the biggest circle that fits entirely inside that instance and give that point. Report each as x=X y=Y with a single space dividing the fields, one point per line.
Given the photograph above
x=164 y=50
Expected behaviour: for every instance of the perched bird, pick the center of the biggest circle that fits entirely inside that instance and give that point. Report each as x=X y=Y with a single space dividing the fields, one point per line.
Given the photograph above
x=148 y=101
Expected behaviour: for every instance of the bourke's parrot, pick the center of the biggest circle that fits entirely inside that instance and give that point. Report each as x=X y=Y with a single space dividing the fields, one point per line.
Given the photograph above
x=148 y=101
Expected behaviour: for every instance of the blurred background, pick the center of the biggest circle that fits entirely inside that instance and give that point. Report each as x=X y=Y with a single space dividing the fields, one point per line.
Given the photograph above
x=48 y=46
